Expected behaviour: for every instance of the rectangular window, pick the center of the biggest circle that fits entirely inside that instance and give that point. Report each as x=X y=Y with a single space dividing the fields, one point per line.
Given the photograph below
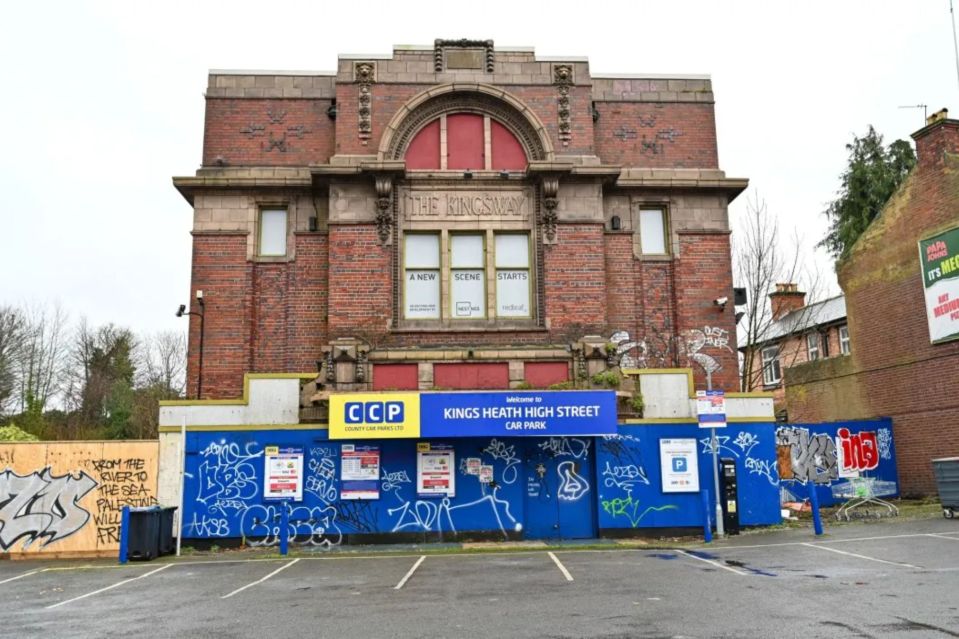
x=421 y=258
x=812 y=346
x=467 y=276
x=652 y=231
x=272 y=233
x=844 y=340
x=772 y=373
x=512 y=275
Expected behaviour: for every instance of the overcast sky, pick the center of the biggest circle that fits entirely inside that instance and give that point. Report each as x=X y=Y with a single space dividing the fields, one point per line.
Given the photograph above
x=102 y=103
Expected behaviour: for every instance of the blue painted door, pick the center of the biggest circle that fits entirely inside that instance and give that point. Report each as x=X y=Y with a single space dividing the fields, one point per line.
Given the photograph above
x=559 y=488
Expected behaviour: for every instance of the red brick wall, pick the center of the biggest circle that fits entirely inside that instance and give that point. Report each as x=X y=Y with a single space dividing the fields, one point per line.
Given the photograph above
x=221 y=271
x=704 y=273
x=303 y=127
x=894 y=371
x=260 y=317
x=677 y=135
x=622 y=310
x=575 y=284
x=360 y=282
x=307 y=302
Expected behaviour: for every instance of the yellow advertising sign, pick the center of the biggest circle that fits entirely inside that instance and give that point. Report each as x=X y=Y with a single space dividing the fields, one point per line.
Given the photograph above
x=374 y=415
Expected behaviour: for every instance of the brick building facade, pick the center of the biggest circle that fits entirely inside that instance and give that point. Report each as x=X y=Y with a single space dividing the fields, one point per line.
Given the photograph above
x=456 y=217
x=894 y=369
x=797 y=333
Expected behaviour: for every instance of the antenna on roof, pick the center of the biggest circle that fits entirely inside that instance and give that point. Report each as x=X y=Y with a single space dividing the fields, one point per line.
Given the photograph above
x=924 y=107
x=955 y=44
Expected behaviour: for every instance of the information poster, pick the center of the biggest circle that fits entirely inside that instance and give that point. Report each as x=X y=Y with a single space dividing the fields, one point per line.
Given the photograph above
x=283 y=476
x=679 y=465
x=473 y=465
x=486 y=474
x=434 y=471
x=359 y=472
x=711 y=408
x=939 y=258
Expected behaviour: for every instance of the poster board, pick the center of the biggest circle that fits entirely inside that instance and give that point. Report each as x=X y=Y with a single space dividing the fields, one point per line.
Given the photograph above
x=434 y=470
x=283 y=475
x=711 y=408
x=679 y=465
x=359 y=472
x=939 y=262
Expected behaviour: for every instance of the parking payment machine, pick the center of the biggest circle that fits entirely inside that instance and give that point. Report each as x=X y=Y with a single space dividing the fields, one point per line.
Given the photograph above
x=730 y=495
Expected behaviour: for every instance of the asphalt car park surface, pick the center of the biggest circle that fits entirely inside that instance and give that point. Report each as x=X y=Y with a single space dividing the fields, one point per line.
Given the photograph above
x=887 y=580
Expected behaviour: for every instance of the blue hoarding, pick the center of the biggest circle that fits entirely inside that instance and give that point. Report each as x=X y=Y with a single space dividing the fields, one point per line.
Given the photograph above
x=520 y=413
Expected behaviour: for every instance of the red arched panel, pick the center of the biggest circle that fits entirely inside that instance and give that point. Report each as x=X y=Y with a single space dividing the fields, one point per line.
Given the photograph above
x=424 y=149
x=465 y=146
x=508 y=153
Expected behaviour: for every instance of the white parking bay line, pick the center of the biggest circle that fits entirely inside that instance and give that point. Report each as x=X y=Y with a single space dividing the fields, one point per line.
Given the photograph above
x=259 y=581
x=928 y=535
x=20 y=576
x=116 y=585
x=711 y=562
x=560 y=565
x=409 y=573
x=866 y=557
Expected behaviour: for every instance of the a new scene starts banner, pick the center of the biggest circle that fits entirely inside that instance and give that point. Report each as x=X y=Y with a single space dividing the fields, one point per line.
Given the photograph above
x=939 y=256
x=497 y=413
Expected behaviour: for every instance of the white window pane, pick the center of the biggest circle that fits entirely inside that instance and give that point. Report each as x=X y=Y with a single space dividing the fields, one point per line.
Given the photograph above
x=652 y=231
x=467 y=251
x=468 y=294
x=273 y=232
x=512 y=293
x=422 y=251
x=512 y=250
x=422 y=295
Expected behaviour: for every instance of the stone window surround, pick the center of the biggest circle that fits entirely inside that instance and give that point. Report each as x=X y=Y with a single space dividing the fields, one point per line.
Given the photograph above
x=489 y=323
x=267 y=203
x=648 y=203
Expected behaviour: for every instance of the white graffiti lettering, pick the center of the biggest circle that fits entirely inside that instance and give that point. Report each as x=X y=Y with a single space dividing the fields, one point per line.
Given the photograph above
x=41 y=506
x=566 y=447
x=572 y=484
x=500 y=450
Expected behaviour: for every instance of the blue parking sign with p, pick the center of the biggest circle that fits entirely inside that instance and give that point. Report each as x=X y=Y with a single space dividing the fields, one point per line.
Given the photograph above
x=679 y=464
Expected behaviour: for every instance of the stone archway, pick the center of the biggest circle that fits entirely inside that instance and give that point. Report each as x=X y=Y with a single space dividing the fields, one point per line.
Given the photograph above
x=465 y=98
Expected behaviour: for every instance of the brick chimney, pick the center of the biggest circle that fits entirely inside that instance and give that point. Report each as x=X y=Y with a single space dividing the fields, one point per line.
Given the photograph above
x=938 y=136
x=786 y=299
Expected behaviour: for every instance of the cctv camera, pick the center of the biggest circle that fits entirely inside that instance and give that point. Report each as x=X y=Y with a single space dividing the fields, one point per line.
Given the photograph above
x=180 y=311
x=721 y=301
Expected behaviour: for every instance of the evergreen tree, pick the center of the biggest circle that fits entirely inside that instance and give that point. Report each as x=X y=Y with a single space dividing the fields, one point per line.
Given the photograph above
x=872 y=176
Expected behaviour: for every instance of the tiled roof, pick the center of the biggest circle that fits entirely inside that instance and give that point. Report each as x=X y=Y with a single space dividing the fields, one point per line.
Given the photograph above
x=817 y=314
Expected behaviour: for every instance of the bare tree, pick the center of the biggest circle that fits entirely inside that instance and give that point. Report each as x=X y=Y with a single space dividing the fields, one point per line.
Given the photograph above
x=12 y=326
x=161 y=362
x=42 y=356
x=762 y=259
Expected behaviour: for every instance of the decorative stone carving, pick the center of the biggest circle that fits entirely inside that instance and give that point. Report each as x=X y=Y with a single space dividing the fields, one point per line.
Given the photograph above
x=277 y=137
x=384 y=207
x=439 y=45
x=550 y=191
x=365 y=73
x=563 y=80
x=346 y=363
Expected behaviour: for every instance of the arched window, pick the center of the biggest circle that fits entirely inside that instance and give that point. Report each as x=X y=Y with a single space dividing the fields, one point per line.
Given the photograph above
x=461 y=141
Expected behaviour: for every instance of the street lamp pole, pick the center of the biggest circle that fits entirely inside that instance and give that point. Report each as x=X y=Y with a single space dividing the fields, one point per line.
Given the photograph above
x=201 y=313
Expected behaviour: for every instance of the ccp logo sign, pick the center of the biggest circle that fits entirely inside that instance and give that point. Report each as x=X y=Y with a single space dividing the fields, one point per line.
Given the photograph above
x=373 y=412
